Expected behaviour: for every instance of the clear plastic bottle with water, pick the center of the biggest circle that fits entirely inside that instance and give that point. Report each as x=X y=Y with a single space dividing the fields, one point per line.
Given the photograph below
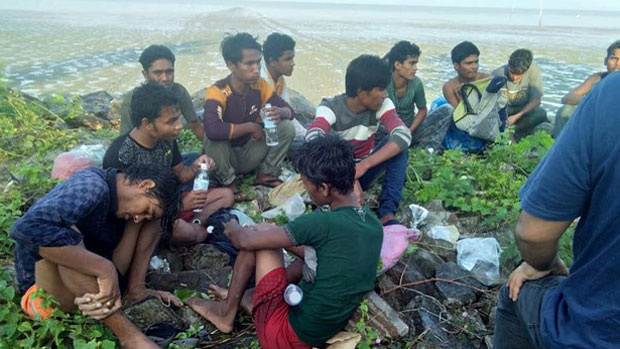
x=271 y=130
x=201 y=182
x=293 y=295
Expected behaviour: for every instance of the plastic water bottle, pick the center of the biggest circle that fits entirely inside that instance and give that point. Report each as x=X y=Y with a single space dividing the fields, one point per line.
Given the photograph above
x=271 y=130
x=293 y=295
x=201 y=182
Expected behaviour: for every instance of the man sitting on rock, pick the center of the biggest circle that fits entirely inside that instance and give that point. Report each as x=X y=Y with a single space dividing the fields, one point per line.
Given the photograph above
x=235 y=138
x=355 y=116
x=90 y=239
x=278 y=62
x=407 y=93
x=158 y=66
x=523 y=92
x=345 y=241
x=153 y=143
x=572 y=99
x=465 y=59
x=542 y=306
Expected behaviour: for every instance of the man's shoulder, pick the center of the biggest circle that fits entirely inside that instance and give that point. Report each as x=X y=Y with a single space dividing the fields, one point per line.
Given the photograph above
x=179 y=90
x=501 y=71
x=534 y=70
x=333 y=102
x=219 y=91
x=452 y=82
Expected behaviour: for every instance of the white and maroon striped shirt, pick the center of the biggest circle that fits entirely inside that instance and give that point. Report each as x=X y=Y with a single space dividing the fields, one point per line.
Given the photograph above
x=359 y=129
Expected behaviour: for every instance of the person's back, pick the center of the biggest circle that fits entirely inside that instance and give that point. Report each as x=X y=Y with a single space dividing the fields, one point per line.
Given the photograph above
x=347 y=243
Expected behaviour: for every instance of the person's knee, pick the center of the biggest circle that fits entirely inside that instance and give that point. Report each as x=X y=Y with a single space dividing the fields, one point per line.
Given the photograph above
x=187 y=234
x=227 y=197
x=286 y=130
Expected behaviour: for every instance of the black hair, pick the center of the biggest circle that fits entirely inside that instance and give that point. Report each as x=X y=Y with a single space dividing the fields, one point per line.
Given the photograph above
x=610 y=50
x=327 y=159
x=366 y=72
x=520 y=61
x=400 y=52
x=275 y=45
x=463 y=50
x=167 y=191
x=148 y=100
x=233 y=45
x=153 y=53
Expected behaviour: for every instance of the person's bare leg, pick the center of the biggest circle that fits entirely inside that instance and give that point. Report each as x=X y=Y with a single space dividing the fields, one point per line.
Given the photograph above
x=222 y=314
x=218 y=198
x=187 y=234
x=65 y=284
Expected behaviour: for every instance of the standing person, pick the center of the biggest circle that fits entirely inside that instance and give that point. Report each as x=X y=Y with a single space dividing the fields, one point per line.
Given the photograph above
x=90 y=239
x=542 y=304
x=523 y=92
x=278 y=62
x=466 y=61
x=355 y=116
x=572 y=98
x=345 y=240
x=158 y=66
x=235 y=138
x=153 y=143
x=407 y=93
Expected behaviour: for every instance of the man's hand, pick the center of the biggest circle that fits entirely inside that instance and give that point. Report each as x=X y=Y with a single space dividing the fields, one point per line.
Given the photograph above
x=195 y=199
x=230 y=226
x=100 y=305
x=139 y=293
x=203 y=159
x=513 y=119
x=276 y=113
x=257 y=132
x=360 y=169
x=523 y=273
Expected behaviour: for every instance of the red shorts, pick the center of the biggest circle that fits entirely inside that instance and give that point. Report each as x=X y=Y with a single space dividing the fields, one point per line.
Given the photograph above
x=271 y=313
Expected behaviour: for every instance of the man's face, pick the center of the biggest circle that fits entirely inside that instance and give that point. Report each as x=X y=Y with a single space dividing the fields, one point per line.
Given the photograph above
x=314 y=191
x=468 y=67
x=408 y=67
x=613 y=61
x=167 y=126
x=161 y=71
x=372 y=99
x=142 y=206
x=248 y=68
x=516 y=77
x=284 y=65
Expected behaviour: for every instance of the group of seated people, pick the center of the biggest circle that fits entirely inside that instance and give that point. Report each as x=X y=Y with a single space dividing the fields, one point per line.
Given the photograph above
x=88 y=242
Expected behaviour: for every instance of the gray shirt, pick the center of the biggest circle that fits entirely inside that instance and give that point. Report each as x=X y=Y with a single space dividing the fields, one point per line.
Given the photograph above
x=518 y=94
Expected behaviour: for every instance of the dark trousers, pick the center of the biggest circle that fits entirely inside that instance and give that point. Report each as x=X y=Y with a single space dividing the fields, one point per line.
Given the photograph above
x=517 y=324
x=393 y=181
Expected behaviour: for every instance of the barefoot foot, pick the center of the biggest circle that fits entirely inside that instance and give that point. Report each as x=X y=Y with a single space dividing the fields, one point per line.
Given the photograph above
x=215 y=312
x=217 y=293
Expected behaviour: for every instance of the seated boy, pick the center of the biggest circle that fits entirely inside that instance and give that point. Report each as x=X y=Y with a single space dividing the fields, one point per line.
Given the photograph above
x=90 y=239
x=345 y=242
x=153 y=143
x=355 y=116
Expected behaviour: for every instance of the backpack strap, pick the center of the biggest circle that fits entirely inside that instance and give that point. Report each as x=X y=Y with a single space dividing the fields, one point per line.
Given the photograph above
x=465 y=95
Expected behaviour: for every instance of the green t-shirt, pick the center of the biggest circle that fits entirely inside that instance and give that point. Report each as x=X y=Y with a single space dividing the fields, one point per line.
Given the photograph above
x=347 y=242
x=185 y=105
x=518 y=94
x=413 y=97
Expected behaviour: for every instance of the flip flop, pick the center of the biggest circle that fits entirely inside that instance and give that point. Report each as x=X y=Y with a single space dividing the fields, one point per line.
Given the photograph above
x=271 y=183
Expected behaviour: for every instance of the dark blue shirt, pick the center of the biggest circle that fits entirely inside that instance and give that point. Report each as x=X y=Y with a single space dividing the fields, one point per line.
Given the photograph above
x=87 y=200
x=580 y=177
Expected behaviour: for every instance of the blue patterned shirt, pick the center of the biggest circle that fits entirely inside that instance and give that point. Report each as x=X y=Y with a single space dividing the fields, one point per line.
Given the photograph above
x=88 y=201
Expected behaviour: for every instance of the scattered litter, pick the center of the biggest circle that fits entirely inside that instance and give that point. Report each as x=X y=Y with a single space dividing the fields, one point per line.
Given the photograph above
x=396 y=239
x=481 y=257
x=287 y=175
x=286 y=190
x=95 y=152
x=293 y=208
x=448 y=233
x=243 y=218
x=419 y=214
x=160 y=264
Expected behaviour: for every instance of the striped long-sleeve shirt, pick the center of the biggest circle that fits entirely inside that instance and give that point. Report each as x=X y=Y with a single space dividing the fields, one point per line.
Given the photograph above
x=359 y=129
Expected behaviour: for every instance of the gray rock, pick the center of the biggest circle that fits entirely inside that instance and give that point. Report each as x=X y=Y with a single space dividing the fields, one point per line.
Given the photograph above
x=151 y=311
x=395 y=298
x=409 y=273
x=469 y=226
x=304 y=109
x=97 y=103
x=193 y=318
x=441 y=248
x=383 y=318
x=425 y=261
x=488 y=340
x=198 y=280
x=455 y=294
x=204 y=256
x=435 y=206
x=174 y=256
x=431 y=320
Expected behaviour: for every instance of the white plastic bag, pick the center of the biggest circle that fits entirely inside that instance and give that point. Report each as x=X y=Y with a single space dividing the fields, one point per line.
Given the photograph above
x=418 y=213
x=480 y=256
x=243 y=218
x=440 y=232
x=94 y=152
x=293 y=208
